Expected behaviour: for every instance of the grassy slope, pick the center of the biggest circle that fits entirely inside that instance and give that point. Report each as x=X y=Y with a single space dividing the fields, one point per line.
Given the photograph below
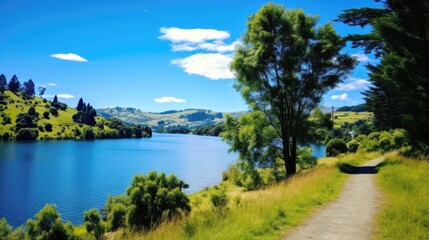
x=171 y=119
x=350 y=117
x=262 y=214
x=405 y=185
x=64 y=119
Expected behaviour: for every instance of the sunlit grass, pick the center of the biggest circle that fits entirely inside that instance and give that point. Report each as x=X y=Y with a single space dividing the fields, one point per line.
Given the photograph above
x=262 y=214
x=405 y=185
x=350 y=117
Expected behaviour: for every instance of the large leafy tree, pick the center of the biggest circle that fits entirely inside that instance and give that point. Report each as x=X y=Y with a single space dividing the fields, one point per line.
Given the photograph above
x=399 y=37
x=283 y=69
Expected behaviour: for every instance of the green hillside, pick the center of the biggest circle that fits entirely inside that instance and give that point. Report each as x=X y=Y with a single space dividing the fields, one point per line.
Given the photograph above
x=62 y=124
x=189 y=118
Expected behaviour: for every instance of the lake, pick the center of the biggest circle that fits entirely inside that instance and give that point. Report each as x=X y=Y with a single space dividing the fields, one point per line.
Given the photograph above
x=79 y=175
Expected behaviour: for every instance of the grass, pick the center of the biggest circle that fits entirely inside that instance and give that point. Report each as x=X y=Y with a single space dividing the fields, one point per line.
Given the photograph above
x=405 y=186
x=62 y=125
x=350 y=117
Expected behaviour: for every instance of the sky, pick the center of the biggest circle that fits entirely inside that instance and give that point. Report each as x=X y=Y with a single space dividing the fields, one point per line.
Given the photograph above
x=151 y=55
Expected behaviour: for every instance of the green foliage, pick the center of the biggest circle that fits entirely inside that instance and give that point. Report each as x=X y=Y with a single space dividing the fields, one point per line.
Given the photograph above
x=3 y=82
x=276 y=72
x=116 y=217
x=383 y=141
x=353 y=146
x=48 y=225
x=5 y=229
x=93 y=224
x=6 y=136
x=150 y=199
x=335 y=147
x=357 y=108
x=28 y=88
x=399 y=96
x=88 y=133
x=27 y=134
x=305 y=160
x=86 y=115
x=213 y=130
x=219 y=200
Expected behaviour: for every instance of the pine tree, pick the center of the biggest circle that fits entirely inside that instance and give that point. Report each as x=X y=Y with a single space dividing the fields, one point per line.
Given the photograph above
x=80 y=105
x=3 y=83
x=14 y=84
x=55 y=99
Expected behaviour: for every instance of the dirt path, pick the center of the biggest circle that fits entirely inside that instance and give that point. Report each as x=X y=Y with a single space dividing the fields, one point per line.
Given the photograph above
x=351 y=215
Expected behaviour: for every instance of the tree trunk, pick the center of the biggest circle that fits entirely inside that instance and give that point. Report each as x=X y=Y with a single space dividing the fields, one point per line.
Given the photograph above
x=289 y=156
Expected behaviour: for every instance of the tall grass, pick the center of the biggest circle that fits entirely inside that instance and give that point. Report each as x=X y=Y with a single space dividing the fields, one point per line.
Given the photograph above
x=405 y=213
x=262 y=214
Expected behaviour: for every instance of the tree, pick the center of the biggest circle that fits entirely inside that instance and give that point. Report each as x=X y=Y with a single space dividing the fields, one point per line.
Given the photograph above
x=116 y=217
x=14 y=84
x=42 y=91
x=27 y=134
x=153 y=198
x=5 y=229
x=93 y=223
x=48 y=225
x=55 y=99
x=29 y=88
x=3 y=83
x=399 y=37
x=283 y=69
x=335 y=147
x=80 y=105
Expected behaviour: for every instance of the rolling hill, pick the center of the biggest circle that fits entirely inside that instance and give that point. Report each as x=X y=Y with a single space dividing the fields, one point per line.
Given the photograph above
x=188 y=118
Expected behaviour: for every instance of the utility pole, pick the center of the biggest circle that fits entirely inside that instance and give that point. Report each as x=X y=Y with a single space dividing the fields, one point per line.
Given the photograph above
x=332 y=116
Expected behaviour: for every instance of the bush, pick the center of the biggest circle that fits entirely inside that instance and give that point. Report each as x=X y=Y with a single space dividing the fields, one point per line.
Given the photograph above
x=335 y=147
x=27 y=134
x=6 y=136
x=305 y=160
x=53 y=111
x=41 y=129
x=48 y=127
x=88 y=134
x=153 y=198
x=93 y=223
x=5 y=229
x=353 y=146
x=116 y=217
x=219 y=200
x=46 y=115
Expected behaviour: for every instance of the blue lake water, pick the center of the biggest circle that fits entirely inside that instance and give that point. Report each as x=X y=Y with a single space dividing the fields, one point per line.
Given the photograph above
x=79 y=175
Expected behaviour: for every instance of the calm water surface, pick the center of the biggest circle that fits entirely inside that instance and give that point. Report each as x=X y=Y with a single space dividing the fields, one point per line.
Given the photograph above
x=79 y=175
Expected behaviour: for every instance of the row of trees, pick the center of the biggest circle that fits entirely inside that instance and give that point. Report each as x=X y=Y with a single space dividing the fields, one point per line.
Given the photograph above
x=399 y=37
x=85 y=113
x=27 y=88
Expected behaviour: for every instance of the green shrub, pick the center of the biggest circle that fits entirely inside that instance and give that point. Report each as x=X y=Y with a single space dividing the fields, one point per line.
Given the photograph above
x=305 y=160
x=353 y=146
x=48 y=127
x=150 y=199
x=93 y=224
x=6 y=136
x=219 y=199
x=335 y=147
x=46 y=115
x=5 y=229
x=88 y=134
x=53 y=111
x=116 y=217
x=27 y=134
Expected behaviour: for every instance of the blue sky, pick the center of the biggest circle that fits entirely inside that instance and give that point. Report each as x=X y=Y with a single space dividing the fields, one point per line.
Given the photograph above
x=151 y=55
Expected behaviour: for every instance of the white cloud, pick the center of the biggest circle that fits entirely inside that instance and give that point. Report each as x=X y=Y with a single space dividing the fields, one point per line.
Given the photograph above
x=215 y=46
x=69 y=57
x=342 y=97
x=362 y=57
x=61 y=95
x=51 y=84
x=169 y=100
x=196 y=35
x=353 y=84
x=211 y=65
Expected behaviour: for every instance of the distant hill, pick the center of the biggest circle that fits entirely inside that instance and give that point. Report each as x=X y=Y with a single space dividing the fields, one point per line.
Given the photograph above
x=356 y=108
x=188 y=118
